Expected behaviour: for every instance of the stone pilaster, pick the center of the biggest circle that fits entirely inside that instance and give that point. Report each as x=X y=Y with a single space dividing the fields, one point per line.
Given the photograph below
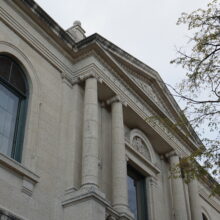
x=194 y=200
x=90 y=135
x=67 y=132
x=119 y=165
x=152 y=196
x=179 y=202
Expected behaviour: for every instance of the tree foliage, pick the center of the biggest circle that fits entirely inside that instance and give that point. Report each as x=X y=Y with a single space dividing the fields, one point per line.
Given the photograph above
x=201 y=88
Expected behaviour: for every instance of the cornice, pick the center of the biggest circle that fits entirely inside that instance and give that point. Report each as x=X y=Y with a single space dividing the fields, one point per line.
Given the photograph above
x=209 y=200
x=133 y=75
x=33 y=41
x=110 y=46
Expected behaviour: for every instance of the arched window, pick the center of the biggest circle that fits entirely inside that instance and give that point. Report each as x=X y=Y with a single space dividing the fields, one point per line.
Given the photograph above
x=13 y=105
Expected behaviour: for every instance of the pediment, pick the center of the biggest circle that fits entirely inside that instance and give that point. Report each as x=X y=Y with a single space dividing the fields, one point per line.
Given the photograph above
x=148 y=84
x=151 y=92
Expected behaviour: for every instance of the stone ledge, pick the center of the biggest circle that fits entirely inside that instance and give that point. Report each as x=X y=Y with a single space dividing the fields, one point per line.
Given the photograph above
x=18 y=168
x=29 y=179
x=112 y=214
x=73 y=197
x=8 y=214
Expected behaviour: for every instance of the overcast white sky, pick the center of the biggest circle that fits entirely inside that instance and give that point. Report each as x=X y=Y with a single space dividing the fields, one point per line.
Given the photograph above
x=144 y=28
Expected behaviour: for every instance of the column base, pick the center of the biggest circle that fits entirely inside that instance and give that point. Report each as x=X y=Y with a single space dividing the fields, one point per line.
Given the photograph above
x=87 y=203
x=113 y=214
x=124 y=212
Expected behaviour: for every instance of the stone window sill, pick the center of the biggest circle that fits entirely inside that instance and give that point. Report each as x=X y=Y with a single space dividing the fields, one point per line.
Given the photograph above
x=29 y=178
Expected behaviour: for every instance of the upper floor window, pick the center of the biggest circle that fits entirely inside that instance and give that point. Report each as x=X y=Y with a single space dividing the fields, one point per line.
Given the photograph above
x=13 y=102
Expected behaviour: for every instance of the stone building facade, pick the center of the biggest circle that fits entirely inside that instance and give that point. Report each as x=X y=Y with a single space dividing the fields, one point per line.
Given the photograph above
x=81 y=135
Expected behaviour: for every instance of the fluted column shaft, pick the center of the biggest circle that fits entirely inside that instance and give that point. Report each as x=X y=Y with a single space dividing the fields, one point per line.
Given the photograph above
x=194 y=200
x=179 y=202
x=90 y=135
x=119 y=165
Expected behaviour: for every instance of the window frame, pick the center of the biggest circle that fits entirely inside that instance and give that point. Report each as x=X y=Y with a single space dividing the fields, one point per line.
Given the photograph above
x=18 y=136
x=141 y=193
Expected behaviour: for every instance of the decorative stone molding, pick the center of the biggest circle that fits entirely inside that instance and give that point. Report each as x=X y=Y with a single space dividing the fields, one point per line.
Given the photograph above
x=153 y=181
x=116 y=98
x=139 y=145
x=30 y=39
x=90 y=74
x=27 y=186
x=210 y=200
x=70 y=190
x=141 y=161
x=67 y=80
x=142 y=145
x=112 y=214
x=70 y=81
x=72 y=197
x=110 y=217
x=147 y=86
x=29 y=179
x=151 y=93
x=171 y=154
x=8 y=215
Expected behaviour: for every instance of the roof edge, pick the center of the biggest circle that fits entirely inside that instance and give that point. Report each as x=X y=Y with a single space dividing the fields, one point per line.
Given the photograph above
x=53 y=26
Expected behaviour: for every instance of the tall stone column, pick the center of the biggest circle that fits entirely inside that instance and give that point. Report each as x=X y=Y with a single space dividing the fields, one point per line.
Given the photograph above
x=90 y=135
x=179 y=202
x=119 y=164
x=194 y=200
x=93 y=205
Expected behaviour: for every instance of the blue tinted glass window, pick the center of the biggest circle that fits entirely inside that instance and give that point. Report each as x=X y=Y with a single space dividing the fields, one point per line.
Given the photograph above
x=137 y=201
x=132 y=196
x=13 y=103
x=8 y=114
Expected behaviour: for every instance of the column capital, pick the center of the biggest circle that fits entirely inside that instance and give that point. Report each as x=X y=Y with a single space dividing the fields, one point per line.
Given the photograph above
x=171 y=154
x=84 y=77
x=90 y=74
x=116 y=98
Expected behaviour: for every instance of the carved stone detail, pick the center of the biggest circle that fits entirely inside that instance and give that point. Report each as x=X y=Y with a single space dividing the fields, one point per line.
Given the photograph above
x=152 y=94
x=142 y=145
x=139 y=145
